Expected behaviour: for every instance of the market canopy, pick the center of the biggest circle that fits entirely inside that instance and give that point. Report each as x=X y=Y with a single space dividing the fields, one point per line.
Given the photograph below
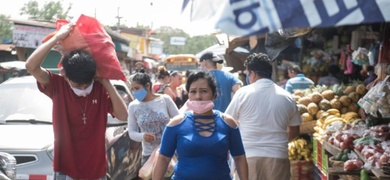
x=245 y=18
x=220 y=50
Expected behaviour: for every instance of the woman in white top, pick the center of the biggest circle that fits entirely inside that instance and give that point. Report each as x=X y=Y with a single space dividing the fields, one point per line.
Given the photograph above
x=148 y=114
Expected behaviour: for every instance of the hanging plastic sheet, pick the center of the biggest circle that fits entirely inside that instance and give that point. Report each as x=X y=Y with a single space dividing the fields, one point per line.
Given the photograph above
x=276 y=42
x=89 y=35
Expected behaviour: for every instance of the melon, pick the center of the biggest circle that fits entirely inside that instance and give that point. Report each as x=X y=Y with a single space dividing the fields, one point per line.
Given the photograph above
x=336 y=104
x=344 y=110
x=298 y=93
x=353 y=108
x=301 y=108
x=354 y=97
x=306 y=117
x=361 y=89
x=316 y=97
x=324 y=105
x=349 y=89
x=328 y=94
x=304 y=100
x=312 y=108
x=345 y=100
x=296 y=98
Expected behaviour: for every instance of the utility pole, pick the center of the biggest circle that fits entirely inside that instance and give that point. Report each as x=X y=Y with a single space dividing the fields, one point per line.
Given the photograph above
x=151 y=19
x=119 y=21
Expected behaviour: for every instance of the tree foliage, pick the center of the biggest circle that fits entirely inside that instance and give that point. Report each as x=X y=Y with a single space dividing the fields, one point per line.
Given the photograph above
x=5 y=28
x=50 y=11
x=199 y=43
x=193 y=44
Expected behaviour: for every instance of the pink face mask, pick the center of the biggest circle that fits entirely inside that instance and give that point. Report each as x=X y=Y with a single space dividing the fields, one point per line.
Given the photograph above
x=200 y=107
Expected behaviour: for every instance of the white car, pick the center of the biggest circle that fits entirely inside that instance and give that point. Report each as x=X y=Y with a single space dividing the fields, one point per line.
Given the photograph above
x=26 y=130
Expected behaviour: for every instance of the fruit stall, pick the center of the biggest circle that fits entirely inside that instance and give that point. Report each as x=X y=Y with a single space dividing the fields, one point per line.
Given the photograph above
x=345 y=131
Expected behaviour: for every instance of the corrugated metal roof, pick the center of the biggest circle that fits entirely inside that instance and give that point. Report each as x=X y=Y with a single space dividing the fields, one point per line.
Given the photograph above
x=34 y=23
x=114 y=35
x=133 y=31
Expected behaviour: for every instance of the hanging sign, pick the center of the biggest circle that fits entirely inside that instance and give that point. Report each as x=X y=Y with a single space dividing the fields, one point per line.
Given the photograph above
x=251 y=17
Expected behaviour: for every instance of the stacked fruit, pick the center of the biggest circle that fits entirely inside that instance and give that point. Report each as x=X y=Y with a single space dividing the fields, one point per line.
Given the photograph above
x=342 y=155
x=313 y=102
x=343 y=140
x=353 y=165
x=374 y=145
x=332 y=121
x=299 y=149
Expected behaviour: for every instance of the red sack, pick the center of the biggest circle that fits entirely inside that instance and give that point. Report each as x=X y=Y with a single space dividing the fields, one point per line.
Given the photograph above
x=89 y=35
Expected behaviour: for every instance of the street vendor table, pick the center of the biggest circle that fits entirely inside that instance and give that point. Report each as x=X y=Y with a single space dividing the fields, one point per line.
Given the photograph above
x=333 y=172
x=336 y=171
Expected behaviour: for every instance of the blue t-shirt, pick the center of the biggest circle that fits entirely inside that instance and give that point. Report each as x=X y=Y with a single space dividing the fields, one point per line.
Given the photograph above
x=298 y=82
x=201 y=157
x=225 y=82
x=328 y=81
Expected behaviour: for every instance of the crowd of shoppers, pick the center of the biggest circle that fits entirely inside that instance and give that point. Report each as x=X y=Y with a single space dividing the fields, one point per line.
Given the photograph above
x=257 y=142
x=207 y=141
x=222 y=122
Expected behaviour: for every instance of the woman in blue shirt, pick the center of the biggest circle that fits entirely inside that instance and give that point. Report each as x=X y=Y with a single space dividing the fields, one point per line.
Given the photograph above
x=202 y=138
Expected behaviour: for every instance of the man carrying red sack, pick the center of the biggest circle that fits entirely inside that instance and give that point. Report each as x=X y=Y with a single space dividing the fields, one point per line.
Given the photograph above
x=80 y=106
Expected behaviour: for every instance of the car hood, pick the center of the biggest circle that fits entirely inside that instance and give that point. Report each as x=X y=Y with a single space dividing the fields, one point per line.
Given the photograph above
x=20 y=137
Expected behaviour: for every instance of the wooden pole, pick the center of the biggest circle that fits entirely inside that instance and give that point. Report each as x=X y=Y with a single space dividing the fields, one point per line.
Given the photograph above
x=275 y=74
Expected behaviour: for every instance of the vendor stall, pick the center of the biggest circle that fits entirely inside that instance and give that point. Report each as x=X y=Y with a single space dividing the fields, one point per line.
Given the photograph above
x=330 y=109
x=350 y=130
x=349 y=122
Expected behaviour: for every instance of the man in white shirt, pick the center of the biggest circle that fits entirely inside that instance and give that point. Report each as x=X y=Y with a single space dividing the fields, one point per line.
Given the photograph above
x=268 y=118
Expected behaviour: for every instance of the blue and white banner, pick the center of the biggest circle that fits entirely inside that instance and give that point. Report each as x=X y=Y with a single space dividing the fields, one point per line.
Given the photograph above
x=251 y=17
x=201 y=10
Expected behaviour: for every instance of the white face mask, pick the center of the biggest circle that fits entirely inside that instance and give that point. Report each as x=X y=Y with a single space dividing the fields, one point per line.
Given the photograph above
x=83 y=92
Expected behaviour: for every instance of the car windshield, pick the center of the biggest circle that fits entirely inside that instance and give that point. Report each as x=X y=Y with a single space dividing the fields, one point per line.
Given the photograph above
x=23 y=101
